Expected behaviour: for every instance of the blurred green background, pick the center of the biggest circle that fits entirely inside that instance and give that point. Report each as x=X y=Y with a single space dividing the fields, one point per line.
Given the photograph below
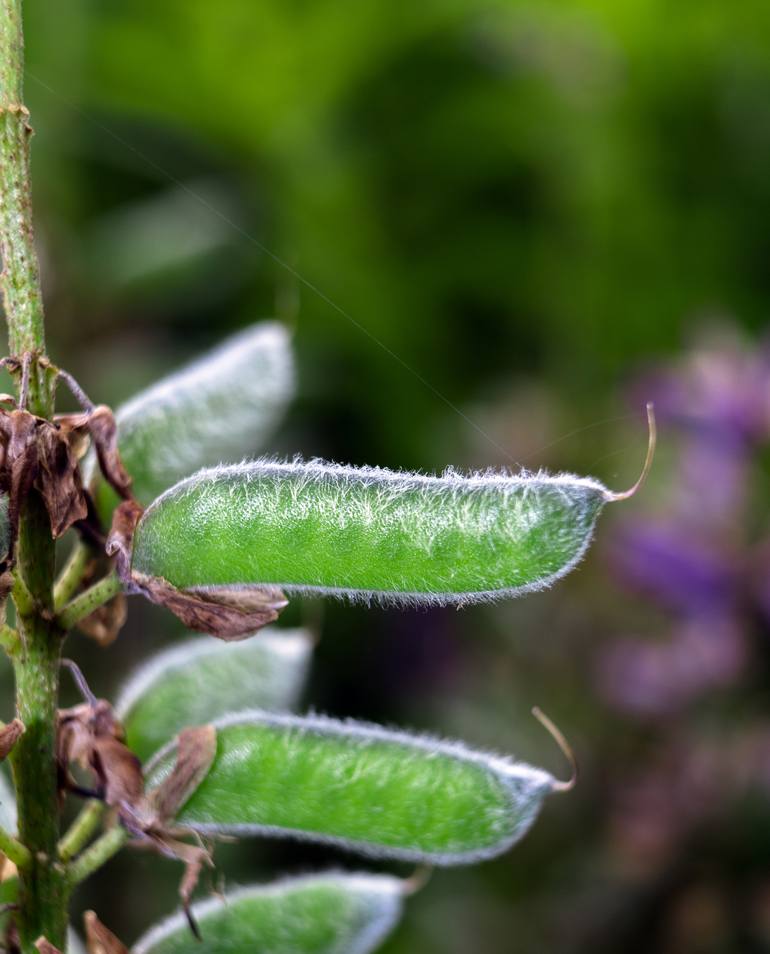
x=504 y=215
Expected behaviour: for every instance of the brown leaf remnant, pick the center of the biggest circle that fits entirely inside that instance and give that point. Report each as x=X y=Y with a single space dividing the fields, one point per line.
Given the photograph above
x=9 y=736
x=99 y=423
x=227 y=613
x=43 y=455
x=120 y=541
x=90 y=736
x=58 y=479
x=196 y=750
x=34 y=453
x=99 y=939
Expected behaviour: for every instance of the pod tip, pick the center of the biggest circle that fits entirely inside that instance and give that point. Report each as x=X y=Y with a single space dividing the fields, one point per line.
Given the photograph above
x=417 y=880
x=652 y=439
x=558 y=736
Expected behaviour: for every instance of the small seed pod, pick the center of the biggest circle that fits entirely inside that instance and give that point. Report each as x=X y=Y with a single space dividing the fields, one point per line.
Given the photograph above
x=362 y=787
x=368 y=533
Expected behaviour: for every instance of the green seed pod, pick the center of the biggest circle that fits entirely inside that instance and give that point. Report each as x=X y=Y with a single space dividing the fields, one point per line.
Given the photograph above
x=200 y=679
x=318 y=914
x=368 y=532
x=383 y=793
x=215 y=409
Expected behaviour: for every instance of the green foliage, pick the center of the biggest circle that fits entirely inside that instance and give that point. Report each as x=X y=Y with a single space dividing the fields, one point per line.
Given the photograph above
x=321 y=914
x=363 y=787
x=368 y=532
x=200 y=680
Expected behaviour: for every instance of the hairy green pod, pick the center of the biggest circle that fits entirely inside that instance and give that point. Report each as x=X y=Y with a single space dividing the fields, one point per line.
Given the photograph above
x=201 y=679
x=362 y=787
x=368 y=532
x=318 y=914
x=210 y=411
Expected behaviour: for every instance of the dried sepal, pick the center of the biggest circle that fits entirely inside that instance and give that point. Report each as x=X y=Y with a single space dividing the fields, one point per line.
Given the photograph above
x=99 y=423
x=196 y=750
x=91 y=736
x=99 y=939
x=120 y=539
x=228 y=613
x=104 y=433
x=58 y=480
x=35 y=453
x=9 y=736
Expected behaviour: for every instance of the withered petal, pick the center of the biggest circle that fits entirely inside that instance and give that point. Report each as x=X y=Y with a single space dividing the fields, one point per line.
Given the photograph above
x=58 y=480
x=121 y=536
x=226 y=613
x=104 y=433
x=196 y=750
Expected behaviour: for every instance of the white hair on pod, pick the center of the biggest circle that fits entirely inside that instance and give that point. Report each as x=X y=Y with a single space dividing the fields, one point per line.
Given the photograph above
x=481 y=504
x=524 y=785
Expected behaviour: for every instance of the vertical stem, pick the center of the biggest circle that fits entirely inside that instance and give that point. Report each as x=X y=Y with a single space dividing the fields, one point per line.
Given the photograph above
x=21 y=276
x=43 y=893
x=43 y=896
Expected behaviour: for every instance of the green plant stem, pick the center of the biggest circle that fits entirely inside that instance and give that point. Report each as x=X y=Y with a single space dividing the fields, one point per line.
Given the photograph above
x=89 y=600
x=71 y=575
x=82 y=830
x=21 y=279
x=97 y=855
x=12 y=848
x=43 y=892
x=43 y=889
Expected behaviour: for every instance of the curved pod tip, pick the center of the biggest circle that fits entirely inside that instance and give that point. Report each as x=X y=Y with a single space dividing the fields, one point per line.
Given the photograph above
x=652 y=440
x=559 y=738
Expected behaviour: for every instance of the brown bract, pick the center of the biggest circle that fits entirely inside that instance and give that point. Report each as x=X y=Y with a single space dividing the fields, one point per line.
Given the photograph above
x=99 y=939
x=34 y=453
x=89 y=735
x=100 y=424
x=228 y=613
x=43 y=455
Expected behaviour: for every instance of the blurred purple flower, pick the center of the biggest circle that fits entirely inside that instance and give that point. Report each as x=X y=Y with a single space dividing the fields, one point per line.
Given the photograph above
x=658 y=678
